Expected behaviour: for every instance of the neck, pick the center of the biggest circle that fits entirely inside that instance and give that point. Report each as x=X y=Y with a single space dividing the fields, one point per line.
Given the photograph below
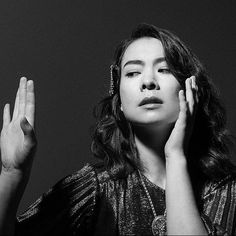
x=150 y=144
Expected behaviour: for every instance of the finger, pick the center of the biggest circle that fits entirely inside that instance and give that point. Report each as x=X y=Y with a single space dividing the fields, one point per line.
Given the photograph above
x=189 y=94
x=6 y=115
x=183 y=106
x=22 y=96
x=16 y=106
x=195 y=89
x=30 y=103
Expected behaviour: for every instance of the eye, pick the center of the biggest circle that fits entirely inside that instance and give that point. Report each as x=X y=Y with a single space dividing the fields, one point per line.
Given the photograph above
x=164 y=70
x=132 y=74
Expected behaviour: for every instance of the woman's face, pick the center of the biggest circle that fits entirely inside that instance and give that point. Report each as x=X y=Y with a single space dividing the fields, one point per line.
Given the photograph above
x=148 y=91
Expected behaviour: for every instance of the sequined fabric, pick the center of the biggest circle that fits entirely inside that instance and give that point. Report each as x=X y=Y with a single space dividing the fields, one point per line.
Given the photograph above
x=89 y=202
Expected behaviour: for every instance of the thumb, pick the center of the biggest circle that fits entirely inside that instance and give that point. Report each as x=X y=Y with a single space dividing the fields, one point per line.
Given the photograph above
x=26 y=127
x=29 y=134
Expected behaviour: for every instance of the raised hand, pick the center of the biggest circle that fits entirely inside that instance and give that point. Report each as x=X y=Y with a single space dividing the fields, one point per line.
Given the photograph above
x=18 y=142
x=179 y=138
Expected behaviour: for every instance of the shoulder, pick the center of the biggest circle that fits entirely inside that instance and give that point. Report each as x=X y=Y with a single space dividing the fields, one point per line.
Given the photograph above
x=80 y=183
x=226 y=187
x=91 y=179
x=85 y=174
x=107 y=180
x=102 y=173
x=93 y=175
x=219 y=206
x=96 y=178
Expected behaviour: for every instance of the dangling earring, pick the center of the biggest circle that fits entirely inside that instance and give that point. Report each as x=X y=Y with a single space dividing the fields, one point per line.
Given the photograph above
x=111 y=89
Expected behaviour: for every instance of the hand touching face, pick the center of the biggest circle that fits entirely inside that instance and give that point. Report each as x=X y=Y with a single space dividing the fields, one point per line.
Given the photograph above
x=178 y=141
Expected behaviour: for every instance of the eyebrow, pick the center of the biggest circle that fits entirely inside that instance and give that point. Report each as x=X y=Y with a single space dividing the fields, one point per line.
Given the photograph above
x=140 y=62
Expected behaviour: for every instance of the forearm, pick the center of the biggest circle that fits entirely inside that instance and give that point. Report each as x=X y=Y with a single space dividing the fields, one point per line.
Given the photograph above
x=183 y=217
x=12 y=186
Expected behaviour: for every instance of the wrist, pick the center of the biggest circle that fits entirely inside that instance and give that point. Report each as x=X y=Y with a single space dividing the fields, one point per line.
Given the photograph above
x=174 y=152
x=176 y=160
x=14 y=176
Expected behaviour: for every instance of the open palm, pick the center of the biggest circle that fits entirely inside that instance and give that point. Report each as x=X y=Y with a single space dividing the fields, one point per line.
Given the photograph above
x=18 y=140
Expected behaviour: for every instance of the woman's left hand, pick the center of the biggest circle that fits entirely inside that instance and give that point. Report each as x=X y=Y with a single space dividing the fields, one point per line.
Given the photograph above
x=178 y=140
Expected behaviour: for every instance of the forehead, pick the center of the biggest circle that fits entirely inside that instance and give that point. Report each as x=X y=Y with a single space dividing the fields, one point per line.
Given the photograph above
x=143 y=49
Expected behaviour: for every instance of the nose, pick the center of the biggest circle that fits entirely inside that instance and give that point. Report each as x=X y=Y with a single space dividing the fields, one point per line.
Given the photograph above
x=150 y=82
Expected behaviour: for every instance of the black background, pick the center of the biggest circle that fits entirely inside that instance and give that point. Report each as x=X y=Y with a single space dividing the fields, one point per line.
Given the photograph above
x=66 y=48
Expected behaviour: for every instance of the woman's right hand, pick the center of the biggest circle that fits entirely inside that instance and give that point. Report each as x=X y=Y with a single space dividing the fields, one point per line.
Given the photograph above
x=18 y=141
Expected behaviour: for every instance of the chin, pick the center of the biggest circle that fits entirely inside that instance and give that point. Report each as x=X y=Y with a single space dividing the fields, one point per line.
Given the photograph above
x=148 y=122
x=151 y=118
x=152 y=121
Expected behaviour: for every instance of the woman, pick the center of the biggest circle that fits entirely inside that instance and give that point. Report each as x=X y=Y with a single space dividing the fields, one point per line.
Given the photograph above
x=164 y=147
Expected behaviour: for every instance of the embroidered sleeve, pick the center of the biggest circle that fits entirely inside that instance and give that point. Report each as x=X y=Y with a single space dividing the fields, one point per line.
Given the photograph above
x=219 y=209
x=66 y=209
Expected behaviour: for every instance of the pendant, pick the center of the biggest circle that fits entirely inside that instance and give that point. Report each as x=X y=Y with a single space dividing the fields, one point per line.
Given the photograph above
x=159 y=225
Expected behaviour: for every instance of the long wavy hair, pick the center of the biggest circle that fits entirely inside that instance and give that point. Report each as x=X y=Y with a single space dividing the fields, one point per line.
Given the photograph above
x=209 y=149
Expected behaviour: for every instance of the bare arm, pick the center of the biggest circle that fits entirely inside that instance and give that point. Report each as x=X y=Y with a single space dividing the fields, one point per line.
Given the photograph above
x=12 y=187
x=183 y=217
x=18 y=144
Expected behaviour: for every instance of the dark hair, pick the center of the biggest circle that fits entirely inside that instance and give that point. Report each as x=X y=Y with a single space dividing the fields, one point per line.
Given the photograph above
x=209 y=149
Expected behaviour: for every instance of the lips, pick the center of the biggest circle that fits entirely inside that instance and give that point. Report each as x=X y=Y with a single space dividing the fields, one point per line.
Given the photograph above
x=150 y=100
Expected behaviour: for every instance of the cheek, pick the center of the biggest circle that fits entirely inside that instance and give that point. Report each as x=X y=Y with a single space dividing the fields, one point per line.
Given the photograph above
x=172 y=101
x=174 y=89
x=176 y=106
x=126 y=100
x=175 y=98
x=128 y=93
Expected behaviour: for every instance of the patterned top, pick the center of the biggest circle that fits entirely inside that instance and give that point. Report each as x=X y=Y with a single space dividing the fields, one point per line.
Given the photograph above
x=90 y=202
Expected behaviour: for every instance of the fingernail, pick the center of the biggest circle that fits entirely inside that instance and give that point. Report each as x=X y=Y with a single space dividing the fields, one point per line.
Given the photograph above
x=193 y=82
x=190 y=81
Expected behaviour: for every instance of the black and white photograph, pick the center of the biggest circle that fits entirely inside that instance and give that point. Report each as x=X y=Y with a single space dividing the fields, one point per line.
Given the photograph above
x=117 y=118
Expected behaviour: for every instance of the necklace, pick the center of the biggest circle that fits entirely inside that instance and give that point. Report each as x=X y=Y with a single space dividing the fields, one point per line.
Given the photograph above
x=159 y=221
